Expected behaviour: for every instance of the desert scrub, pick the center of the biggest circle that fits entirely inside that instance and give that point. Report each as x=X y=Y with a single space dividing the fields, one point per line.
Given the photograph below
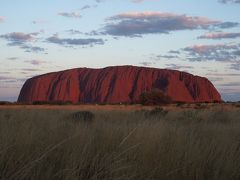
x=48 y=144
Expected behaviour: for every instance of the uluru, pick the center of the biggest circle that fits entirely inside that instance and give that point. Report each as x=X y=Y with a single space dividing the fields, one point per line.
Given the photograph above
x=116 y=84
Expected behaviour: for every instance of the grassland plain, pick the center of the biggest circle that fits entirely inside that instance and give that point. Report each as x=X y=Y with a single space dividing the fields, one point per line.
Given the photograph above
x=51 y=143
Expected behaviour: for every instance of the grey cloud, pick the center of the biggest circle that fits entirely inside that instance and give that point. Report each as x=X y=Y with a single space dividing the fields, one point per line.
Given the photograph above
x=16 y=38
x=91 y=33
x=178 y=66
x=99 y=1
x=225 y=25
x=73 y=31
x=5 y=72
x=231 y=96
x=137 y=24
x=223 y=74
x=230 y=1
x=35 y=49
x=22 y=40
x=39 y=22
x=35 y=62
x=8 y=79
x=134 y=1
x=30 y=69
x=145 y=63
x=215 y=79
x=70 y=15
x=75 y=42
x=4 y=78
x=219 y=35
x=166 y=56
x=218 y=52
x=12 y=58
x=230 y=84
x=235 y=66
x=140 y=1
x=88 y=7
x=174 y=52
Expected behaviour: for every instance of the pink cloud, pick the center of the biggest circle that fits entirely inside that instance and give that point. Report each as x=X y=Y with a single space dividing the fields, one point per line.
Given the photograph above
x=220 y=35
x=135 y=24
x=2 y=19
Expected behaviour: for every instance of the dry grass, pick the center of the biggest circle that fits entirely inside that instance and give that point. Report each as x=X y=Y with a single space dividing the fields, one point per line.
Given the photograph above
x=189 y=144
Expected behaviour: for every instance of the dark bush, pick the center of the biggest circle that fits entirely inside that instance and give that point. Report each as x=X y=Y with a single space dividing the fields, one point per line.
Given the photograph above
x=180 y=104
x=157 y=112
x=237 y=105
x=83 y=116
x=52 y=103
x=154 y=97
x=5 y=103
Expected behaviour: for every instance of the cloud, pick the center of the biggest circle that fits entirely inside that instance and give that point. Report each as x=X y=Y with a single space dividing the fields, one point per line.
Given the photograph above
x=225 y=25
x=12 y=58
x=17 y=38
x=22 y=40
x=30 y=69
x=70 y=15
x=88 y=7
x=145 y=63
x=223 y=74
x=39 y=22
x=134 y=1
x=99 y=1
x=85 y=7
x=216 y=79
x=231 y=96
x=91 y=33
x=220 y=35
x=140 y=1
x=230 y=84
x=73 y=31
x=178 y=66
x=2 y=19
x=5 y=72
x=4 y=78
x=174 y=52
x=235 y=66
x=136 y=24
x=218 y=52
x=35 y=62
x=230 y=1
x=166 y=56
x=75 y=42
x=35 y=49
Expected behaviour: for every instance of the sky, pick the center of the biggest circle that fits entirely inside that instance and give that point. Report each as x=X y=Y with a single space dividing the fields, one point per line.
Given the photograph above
x=199 y=37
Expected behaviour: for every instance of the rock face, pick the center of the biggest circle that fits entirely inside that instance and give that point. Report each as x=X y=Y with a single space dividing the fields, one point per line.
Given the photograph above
x=116 y=84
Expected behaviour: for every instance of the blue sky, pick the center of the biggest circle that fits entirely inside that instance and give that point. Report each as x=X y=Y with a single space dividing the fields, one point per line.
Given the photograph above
x=199 y=37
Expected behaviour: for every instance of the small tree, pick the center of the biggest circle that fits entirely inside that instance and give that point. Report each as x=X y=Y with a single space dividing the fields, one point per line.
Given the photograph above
x=154 y=97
